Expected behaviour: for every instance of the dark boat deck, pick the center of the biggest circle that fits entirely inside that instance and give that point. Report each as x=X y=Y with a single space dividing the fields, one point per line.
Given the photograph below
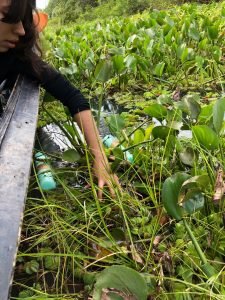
x=18 y=131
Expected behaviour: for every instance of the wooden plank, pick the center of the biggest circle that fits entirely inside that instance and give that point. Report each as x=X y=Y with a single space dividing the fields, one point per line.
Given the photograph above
x=15 y=162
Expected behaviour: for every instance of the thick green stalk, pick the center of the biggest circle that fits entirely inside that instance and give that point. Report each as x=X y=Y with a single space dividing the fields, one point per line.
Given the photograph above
x=195 y=242
x=206 y=267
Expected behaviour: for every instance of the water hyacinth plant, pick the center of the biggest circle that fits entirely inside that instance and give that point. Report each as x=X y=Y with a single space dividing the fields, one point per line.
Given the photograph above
x=162 y=237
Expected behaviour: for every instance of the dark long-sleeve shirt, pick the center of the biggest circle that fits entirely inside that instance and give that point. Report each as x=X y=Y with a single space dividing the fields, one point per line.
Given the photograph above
x=50 y=79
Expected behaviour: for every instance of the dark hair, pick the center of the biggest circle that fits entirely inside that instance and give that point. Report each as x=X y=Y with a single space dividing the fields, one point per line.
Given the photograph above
x=27 y=49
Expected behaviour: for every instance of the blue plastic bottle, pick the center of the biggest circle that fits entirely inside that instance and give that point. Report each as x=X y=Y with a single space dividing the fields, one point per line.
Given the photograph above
x=111 y=141
x=44 y=173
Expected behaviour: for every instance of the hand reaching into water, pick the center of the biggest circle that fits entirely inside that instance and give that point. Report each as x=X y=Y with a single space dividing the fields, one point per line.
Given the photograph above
x=102 y=172
x=101 y=168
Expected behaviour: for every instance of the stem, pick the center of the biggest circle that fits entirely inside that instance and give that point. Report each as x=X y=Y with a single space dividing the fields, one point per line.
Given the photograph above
x=100 y=105
x=195 y=242
x=132 y=132
x=138 y=144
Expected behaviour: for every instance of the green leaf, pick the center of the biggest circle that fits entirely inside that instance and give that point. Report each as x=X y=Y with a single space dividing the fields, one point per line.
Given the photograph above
x=200 y=181
x=209 y=270
x=184 y=55
x=156 y=110
x=175 y=124
x=70 y=70
x=169 y=21
x=218 y=114
x=170 y=194
x=52 y=262
x=162 y=132
x=116 y=123
x=89 y=63
x=26 y=294
x=186 y=272
x=118 y=64
x=191 y=106
x=199 y=61
x=205 y=136
x=70 y=129
x=203 y=44
x=139 y=136
x=182 y=52
x=206 y=114
x=120 y=280
x=118 y=153
x=187 y=156
x=164 y=99
x=71 y=155
x=150 y=32
x=117 y=51
x=168 y=38
x=170 y=144
x=31 y=267
x=148 y=132
x=131 y=62
x=103 y=71
x=194 y=33
x=193 y=201
x=217 y=53
x=213 y=32
x=223 y=12
x=158 y=71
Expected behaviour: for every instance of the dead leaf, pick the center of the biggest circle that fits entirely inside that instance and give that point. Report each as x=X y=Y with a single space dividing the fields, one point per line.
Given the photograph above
x=136 y=257
x=176 y=94
x=163 y=218
x=219 y=187
x=98 y=251
x=157 y=240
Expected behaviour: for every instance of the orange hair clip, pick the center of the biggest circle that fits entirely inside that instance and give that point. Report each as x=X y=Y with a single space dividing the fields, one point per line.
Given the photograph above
x=40 y=20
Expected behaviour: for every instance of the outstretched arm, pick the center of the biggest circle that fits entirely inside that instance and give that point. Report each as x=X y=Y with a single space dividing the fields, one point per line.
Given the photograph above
x=101 y=166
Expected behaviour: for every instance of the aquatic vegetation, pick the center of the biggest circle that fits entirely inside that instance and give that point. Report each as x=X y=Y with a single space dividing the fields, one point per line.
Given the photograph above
x=162 y=237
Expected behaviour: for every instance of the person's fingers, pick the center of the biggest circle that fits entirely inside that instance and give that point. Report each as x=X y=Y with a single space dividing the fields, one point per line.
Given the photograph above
x=116 y=183
x=87 y=186
x=111 y=189
x=100 y=188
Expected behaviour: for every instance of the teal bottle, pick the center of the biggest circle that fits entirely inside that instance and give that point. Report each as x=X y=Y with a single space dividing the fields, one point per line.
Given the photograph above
x=111 y=141
x=45 y=177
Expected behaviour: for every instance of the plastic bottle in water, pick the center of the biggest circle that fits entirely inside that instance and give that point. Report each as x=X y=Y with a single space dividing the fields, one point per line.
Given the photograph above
x=44 y=173
x=111 y=141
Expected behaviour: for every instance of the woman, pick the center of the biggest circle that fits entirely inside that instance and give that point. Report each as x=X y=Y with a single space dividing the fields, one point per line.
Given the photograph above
x=18 y=39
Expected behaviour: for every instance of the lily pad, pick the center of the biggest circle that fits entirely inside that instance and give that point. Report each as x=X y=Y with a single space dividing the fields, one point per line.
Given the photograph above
x=156 y=110
x=171 y=192
x=162 y=132
x=120 y=282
